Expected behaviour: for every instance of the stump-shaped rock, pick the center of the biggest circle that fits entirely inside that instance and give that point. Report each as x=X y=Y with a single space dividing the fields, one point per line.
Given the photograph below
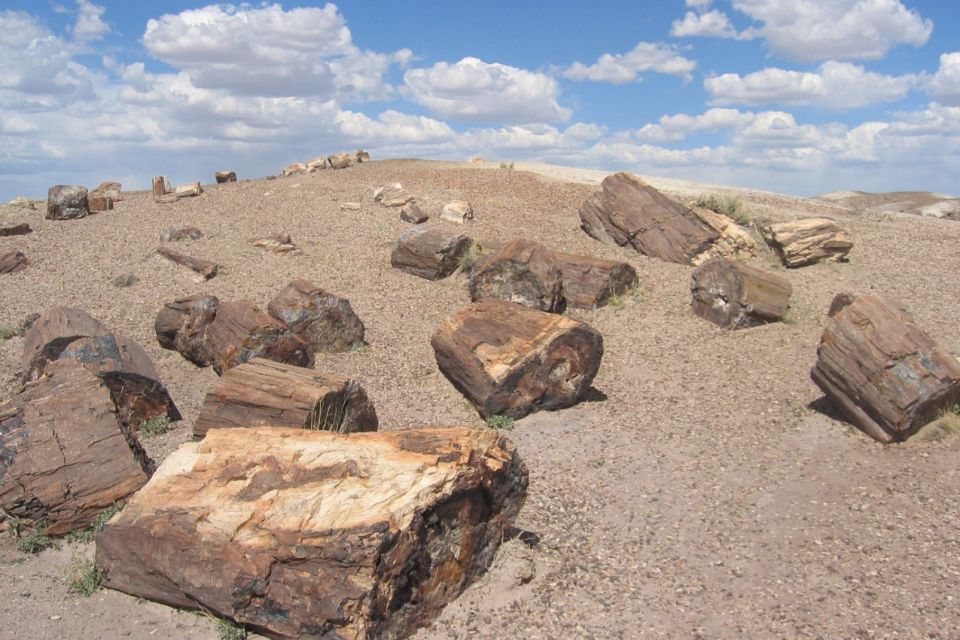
x=301 y=534
x=393 y=195
x=14 y=229
x=734 y=295
x=161 y=186
x=324 y=321
x=13 y=261
x=458 y=211
x=99 y=203
x=431 y=253
x=339 y=161
x=223 y=177
x=510 y=360
x=411 y=212
x=807 y=241
x=51 y=332
x=67 y=202
x=884 y=374
x=181 y=326
x=64 y=454
x=262 y=393
x=630 y=213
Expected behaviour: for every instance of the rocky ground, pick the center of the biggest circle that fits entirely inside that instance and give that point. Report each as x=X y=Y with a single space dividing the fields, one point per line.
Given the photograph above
x=705 y=490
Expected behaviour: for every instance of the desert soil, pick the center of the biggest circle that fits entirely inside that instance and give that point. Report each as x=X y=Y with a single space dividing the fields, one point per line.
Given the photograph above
x=705 y=490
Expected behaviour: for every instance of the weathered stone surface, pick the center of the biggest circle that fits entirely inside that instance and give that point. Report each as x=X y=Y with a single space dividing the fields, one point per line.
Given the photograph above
x=511 y=360
x=431 y=253
x=411 y=212
x=324 y=321
x=108 y=190
x=51 y=332
x=340 y=161
x=14 y=229
x=222 y=177
x=188 y=190
x=350 y=206
x=884 y=373
x=262 y=393
x=24 y=202
x=393 y=195
x=66 y=202
x=176 y=234
x=205 y=269
x=277 y=243
x=64 y=454
x=362 y=156
x=12 y=261
x=306 y=534
x=294 y=169
x=734 y=295
x=99 y=203
x=161 y=186
x=630 y=213
x=734 y=241
x=125 y=280
x=458 y=211
x=808 y=241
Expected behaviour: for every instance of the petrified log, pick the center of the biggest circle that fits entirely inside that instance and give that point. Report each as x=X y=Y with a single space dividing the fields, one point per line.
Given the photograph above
x=808 y=241
x=324 y=321
x=223 y=177
x=181 y=326
x=734 y=241
x=630 y=213
x=176 y=234
x=339 y=161
x=309 y=534
x=64 y=454
x=885 y=374
x=431 y=253
x=294 y=169
x=318 y=164
x=66 y=202
x=262 y=393
x=510 y=360
x=393 y=195
x=411 y=212
x=51 y=332
x=362 y=156
x=99 y=203
x=190 y=190
x=161 y=186
x=108 y=189
x=12 y=262
x=458 y=211
x=204 y=268
x=734 y=295
x=277 y=243
x=15 y=229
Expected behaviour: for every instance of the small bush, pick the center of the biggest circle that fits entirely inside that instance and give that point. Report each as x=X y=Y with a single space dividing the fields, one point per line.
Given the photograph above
x=506 y=165
x=155 y=426
x=91 y=531
x=83 y=579
x=29 y=539
x=500 y=422
x=727 y=205
x=7 y=332
x=360 y=349
x=228 y=630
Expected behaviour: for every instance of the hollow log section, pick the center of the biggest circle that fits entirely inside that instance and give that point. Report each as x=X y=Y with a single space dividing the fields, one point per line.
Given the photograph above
x=324 y=321
x=309 y=534
x=734 y=295
x=630 y=213
x=510 y=360
x=807 y=241
x=205 y=268
x=64 y=454
x=265 y=393
x=12 y=261
x=885 y=374
x=528 y=273
x=431 y=253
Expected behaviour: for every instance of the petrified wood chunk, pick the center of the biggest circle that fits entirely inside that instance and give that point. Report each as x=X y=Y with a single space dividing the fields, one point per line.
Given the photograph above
x=885 y=374
x=324 y=321
x=630 y=213
x=175 y=234
x=339 y=161
x=108 y=189
x=161 y=186
x=99 y=203
x=66 y=202
x=64 y=454
x=808 y=241
x=223 y=177
x=431 y=253
x=277 y=243
x=309 y=534
x=14 y=229
x=294 y=169
x=393 y=195
x=264 y=393
x=362 y=156
x=181 y=326
x=190 y=190
x=12 y=261
x=411 y=212
x=734 y=241
x=458 y=211
x=204 y=268
x=511 y=360
x=734 y=295
x=51 y=332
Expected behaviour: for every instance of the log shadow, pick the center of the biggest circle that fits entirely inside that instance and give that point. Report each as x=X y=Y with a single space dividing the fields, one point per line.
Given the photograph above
x=593 y=395
x=823 y=406
x=529 y=539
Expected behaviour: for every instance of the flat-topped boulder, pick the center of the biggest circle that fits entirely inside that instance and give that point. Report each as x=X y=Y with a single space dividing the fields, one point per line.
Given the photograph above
x=431 y=252
x=734 y=295
x=67 y=202
x=326 y=322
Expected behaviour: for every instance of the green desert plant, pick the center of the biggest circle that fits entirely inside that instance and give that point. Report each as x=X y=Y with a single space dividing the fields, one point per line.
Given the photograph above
x=500 y=422
x=7 y=332
x=946 y=425
x=83 y=578
x=727 y=205
x=155 y=426
x=506 y=165
x=228 y=630
x=29 y=538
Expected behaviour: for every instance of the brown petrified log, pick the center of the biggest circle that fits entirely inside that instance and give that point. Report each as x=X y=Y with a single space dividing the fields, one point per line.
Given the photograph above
x=310 y=534
x=99 y=203
x=277 y=243
x=181 y=326
x=205 y=268
x=67 y=202
x=340 y=161
x=161 y=186
x=53 y=330
x=12 y=261
x=431 y=253
x=266 y=393
x=885 y=374
x=734 y=241
x=64 y=454
x=511 y=360
x=734 y=295
x=223 y=177
x=808 y=241
x=629 y=212
x=14 y=229
x=324 y=321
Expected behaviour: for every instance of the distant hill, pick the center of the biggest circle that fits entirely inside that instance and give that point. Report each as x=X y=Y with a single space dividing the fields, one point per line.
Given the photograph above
x=922 y=203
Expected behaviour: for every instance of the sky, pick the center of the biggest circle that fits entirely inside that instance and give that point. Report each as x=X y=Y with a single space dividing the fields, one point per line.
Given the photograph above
x=796 y=96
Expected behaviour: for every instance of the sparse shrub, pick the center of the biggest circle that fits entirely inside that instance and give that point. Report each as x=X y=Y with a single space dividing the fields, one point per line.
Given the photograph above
x=788 y=318
x=228 y=630
x=360 y=349
x=500 y=422
x=727 y=205
x=7 y=332
x=83 y=579
x=946 y=425
x=155 y=426
x=29 y=539
x=92 y=530
x=506 y=165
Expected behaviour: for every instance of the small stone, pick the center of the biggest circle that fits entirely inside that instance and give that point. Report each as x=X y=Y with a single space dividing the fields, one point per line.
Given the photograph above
x=411 y=212
x=350 y=206
x=457 y=211
x=393 y=195
x=125 y=280
x=15 y=229
x=22 y=201
x=175 y=234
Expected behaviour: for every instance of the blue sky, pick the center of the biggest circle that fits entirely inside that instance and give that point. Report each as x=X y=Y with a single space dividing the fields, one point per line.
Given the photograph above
x=798 y=96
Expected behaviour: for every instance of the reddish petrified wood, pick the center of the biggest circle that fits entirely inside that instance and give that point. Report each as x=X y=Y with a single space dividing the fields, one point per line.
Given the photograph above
x=324 y=321
x=181 y=326
x=204 y=268
x=734 y=295
x=14 y=229
x=431 y=253
x=51 y=333
x=12 y=262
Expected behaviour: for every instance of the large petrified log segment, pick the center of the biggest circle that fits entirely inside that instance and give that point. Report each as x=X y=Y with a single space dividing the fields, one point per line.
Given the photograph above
x=265 y=393
x=734 y=242
x=64 y=454
x=523 y=272
x=181 y=326
x=12 y=262
x=66 y=202
x=205 y=268
x=310 y=534
x=240 y=331
x=510 y=360
x=630 y=213
x=14 y=229
x=324 y=321
x=885 y=374
x=431 y=253
x=589 y=283
x=161 y=186
x=734 y=295
x=51 y=333
x=808 y=241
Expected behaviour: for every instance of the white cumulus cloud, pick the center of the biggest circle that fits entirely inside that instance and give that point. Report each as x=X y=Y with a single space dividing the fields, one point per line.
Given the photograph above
x=945 y=83
x=626 y=67
x=89 y=26
x=710 y=24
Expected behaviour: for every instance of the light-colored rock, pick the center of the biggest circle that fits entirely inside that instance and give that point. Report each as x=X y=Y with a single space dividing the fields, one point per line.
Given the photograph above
x=293 y=169
x=67 y=202
x=457 y=211
x=362 y=156
x=350 y=206
x=24 y=202
x=277 y=243
x=411 y=212
x=340 y=161
x=108 y=189
x=734 y=241
x=807 y=241
x=392 y=195
x=317 y=164
x=223 y=177
x=188 y=190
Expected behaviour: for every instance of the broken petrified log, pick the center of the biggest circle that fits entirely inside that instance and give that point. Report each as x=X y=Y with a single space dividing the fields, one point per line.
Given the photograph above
x=181 y=326
x=734 y=295
x=510 y=360
x=431 y=253
x=339 y=161
x=99 y=203
x=108 y=189
x=51 y=332
x=393 y=195
x=64 y=454
x=190 y=190
x=66 y=202
x=262 y=393
x=223 y=177
x=885 y=374
x=303 y=534
x=628 y=212
x=12 y=261
x=161 y=186
x=176 y=234
x=204 y=268
x=411 y=212
x=807 y=241
x=277 y=243
x=362 y=156
x=15 y=229
x=324 y=321
x=458 y=211
x=734 y=241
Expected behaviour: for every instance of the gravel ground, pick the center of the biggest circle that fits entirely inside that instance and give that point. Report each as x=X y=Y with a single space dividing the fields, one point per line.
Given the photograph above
x=705 y=491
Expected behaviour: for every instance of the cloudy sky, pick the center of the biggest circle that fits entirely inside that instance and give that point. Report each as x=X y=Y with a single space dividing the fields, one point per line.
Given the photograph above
x=798 y=96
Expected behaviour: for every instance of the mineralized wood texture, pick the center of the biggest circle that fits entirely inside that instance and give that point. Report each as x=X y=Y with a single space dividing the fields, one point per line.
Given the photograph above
x=629 y=212
x=53 y=330
x=735 y=295
x=64 y=455
x=523 y=272
x=265 y=393
x=67 y=202
x=12 y=262
x=885 y=374
x=204 y=268
x=510 y=360
x=99 y=203
x=808 y=241
x=161 y=186
x=14 y=229
x=431 y=253
x=324 y=321
x=734 y=241
x=307 y=534
x=225 y=176
x=181 y=326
